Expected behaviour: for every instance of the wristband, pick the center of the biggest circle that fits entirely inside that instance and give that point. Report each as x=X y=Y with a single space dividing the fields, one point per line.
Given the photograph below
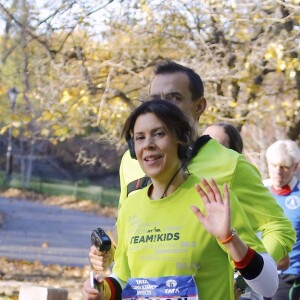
x=228 y=239
x=108 y=289
x=246 y=260
x=114 y=287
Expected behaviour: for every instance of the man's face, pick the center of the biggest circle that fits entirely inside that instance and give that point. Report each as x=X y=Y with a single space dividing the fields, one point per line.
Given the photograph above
x=281 y=173
x=175 y=87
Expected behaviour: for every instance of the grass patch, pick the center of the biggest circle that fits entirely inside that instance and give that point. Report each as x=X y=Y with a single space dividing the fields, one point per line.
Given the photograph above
x=79 y=190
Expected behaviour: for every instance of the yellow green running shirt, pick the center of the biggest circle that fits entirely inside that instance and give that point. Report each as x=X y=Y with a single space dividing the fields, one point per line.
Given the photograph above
x=164 y=238
x=244 y=180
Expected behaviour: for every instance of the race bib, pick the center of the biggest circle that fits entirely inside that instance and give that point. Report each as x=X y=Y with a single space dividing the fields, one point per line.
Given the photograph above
x=170 y=287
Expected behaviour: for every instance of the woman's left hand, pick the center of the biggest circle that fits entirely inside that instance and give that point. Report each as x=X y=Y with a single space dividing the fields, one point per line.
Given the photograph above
x=217 y=218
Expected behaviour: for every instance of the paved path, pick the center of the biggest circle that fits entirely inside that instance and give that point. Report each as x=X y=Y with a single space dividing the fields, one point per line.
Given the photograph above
x=50 y=234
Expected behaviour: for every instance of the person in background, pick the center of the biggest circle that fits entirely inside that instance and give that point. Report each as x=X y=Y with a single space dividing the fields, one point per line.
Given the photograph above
x=283 y=158
x=175 y=231
x=227 y=135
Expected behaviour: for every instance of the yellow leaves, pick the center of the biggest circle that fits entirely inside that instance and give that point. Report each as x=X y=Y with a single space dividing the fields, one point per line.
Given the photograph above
x=80 y=20
x=116 y=62
x=232 y=104
x=270 y=53
x=247 y=65
x=146 y=9
x=26 y=119
x=66 y=97
x=257 y=17
x=253 y=105
x=84 y=100
x=3 y=90
x=115 y=132
x=62 y=138
x=274 y=51
x=93 y=110
x=294 y=63
x=46 y=115
x=77 y=101
x=213 y=109
x=74 y=108
x=60 y=131
x=278 y=118
x=284 y=104
x=289 y=123
x=281 y=65
x=16 y=124
x=244 y=75
x=292 y=74
x=289 y=110
x=45 y=132
x=4 y=129
x=253 y=88
x=242 y=33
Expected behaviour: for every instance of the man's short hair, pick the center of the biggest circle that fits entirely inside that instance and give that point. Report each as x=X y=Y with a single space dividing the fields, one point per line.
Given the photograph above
x=170 y=67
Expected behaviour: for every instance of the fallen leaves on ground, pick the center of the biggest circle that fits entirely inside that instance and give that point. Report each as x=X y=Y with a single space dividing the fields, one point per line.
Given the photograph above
x=62 y=201
x=35 y=273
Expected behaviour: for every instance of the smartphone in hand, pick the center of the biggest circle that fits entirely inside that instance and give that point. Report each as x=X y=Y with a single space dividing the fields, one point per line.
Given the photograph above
x=94 y=283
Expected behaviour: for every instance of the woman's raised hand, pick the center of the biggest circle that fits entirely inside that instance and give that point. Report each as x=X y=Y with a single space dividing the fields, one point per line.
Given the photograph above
x=216 y=219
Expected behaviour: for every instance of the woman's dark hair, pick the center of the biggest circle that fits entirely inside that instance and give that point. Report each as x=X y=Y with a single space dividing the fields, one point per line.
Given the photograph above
x=172 y=116
x=196 y=83
x=234 y=137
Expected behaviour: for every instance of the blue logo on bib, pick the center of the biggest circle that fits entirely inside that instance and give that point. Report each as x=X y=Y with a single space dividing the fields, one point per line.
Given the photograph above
x=170 y=287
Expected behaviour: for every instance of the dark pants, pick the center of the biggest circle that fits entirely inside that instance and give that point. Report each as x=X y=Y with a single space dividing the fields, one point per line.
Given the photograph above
x=289 y=288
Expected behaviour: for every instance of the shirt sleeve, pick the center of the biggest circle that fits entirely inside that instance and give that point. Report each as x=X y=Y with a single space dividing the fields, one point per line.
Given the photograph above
x=241 y=223
x=262 y=210
x=266 y=283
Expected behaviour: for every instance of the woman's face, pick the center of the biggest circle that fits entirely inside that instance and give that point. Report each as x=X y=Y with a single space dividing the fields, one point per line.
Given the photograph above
x=155 y=147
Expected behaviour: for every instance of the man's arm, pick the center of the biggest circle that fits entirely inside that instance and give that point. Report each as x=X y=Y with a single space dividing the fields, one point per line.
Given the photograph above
x=262 y=210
